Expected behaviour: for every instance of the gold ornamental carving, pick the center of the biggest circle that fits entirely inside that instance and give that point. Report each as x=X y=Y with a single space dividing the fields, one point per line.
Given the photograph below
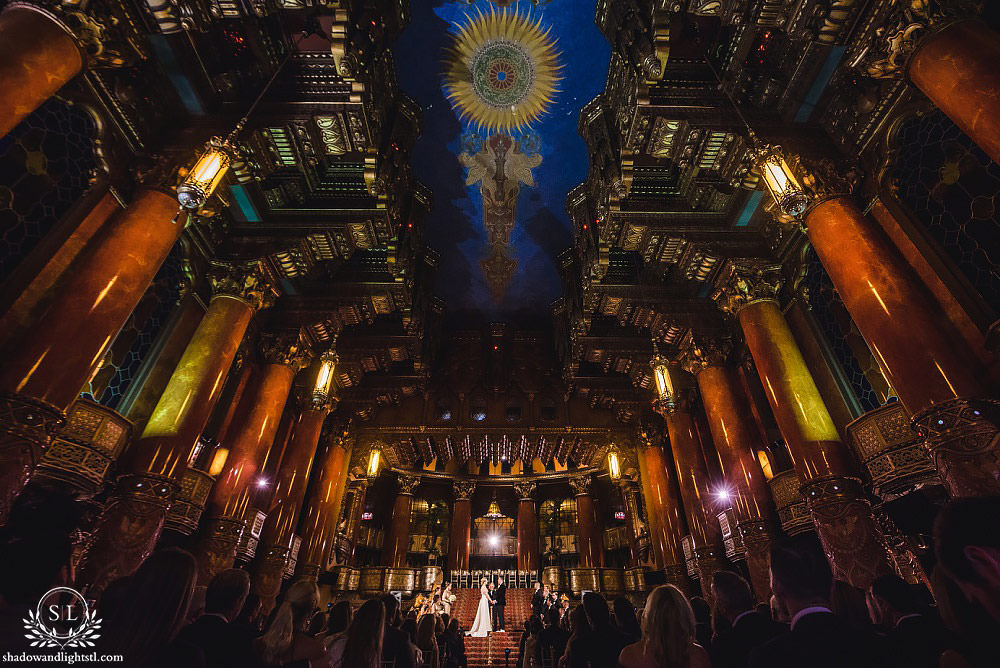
x=408 y=484
x=580 y=485
x=963 y=438
x=525 y=490
x=285 y=348
x=241 y=280
x=746 y=282
x=910 y=22
x=463 y=489
x=698 y=352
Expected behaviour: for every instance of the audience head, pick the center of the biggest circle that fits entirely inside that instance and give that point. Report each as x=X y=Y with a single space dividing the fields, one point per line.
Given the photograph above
x=364 y=637
x=294 y=614
x=701 y=609
x=848 y=602
x=226 y=593
x=732 y=595
x=391 y=605
x=800 y=573
x=596 y=606
x=409 y=627
x=340 y=617
x=425 y=632
x=668 y=627
x=891 y=597
x=625 y=616
x=534 y=626
x=579 y=622
x=967 y=543
x=453 y=630
x=153 y=608
x=251 y=615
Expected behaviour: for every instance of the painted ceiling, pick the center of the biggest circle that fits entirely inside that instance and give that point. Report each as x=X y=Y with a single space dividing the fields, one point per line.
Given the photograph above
x=499 y=178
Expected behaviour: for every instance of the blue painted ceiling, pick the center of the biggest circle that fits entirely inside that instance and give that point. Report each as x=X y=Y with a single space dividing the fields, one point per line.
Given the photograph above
x=541 y=227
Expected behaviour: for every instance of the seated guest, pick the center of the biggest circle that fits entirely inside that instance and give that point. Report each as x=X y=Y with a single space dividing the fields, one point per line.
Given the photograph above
x=747 y=628
x=532 y=651
x=702 y=621
x=848 y=603
x=668 y=634
x=249 y=624
x=801 y=580
x=427 y=641
x=552 y=639
x=524 y=638
x=396 y=645
x=213 y=633
x=625 y=620
x=972 y=628
x=336 y=628
x=913 y=638
x=363 y=646
x=31 y=566
x=286 y=641
x=409 y=626
x=967 y=544
x=455 y=642
x=606 y=642
x=578 y=644
x=143 y=625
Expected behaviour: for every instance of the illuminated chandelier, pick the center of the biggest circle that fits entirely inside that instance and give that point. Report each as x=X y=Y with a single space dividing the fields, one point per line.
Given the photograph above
x=501 y=72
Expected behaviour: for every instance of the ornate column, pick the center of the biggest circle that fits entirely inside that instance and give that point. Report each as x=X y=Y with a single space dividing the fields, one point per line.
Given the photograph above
x=322 y=513
x=460 y=542
x=397 y=538
x=839 y=508
x=286 y=502
x=666 y=522
x=234 y=488
x=737 y=441
x=630 y=492
x=354 y=515
x=527 y=527
x=133 y=518
x=936 y=376
x=43 y=376
x=692 y=476
x=589 y=545
x=952 y=60
x=38 y=55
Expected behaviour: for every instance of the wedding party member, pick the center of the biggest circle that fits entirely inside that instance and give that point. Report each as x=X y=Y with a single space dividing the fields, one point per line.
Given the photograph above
x=668 y=634
x=482 y=626
x=448 y=598
x=538 y=600
x=499 y=603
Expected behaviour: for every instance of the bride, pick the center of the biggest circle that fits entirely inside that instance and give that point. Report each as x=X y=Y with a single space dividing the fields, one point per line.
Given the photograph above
x=482 y=626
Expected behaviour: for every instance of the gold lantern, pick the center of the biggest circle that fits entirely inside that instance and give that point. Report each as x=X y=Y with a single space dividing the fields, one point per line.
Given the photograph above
x=664 y=386
x=373 y=461
x=324 y=378
x=781 y=183
x=206 y=174
x=614 y=465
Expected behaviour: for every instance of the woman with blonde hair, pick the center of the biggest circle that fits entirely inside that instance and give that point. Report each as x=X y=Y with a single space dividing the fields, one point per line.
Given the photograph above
x=667 y=634
x=285 y=640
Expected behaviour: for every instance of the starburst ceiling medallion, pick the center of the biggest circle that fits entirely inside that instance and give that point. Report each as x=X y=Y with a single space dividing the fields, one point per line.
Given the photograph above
x=501 y=72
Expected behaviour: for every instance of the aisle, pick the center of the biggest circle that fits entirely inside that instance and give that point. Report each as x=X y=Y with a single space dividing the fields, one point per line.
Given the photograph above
x=489 y=651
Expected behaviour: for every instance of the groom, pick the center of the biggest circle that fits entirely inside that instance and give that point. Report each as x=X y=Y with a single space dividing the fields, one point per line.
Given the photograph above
x=499 y=601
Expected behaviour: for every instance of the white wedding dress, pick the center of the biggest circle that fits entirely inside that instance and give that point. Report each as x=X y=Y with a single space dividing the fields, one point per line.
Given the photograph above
x=482 y=626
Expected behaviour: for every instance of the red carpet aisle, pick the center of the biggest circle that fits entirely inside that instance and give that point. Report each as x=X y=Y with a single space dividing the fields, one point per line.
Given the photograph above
x=483 y=652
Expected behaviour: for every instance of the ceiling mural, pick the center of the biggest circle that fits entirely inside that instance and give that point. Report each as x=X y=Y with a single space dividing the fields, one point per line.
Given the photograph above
x=499 y=145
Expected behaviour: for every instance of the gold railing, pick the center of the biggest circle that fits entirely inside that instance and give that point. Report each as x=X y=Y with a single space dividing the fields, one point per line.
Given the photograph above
x=891 y=451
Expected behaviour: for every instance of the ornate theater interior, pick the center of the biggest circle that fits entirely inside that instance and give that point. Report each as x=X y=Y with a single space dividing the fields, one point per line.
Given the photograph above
x=606 y=294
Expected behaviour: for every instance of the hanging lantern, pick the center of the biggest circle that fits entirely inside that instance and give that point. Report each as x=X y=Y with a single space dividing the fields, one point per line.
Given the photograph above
x=780 y=181
x=324 y=378
x=373 y=462
x=206 y=174
x=664 y=386
x=614 y=466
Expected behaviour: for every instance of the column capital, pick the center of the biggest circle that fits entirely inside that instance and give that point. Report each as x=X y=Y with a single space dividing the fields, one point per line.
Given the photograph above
x=241 y=280
x=906 y=25
x=744 y=282
x=408 y=484
x=697 y=352
x=580 y=485
x=286 y=348
x=525 y=490
x=463 y=489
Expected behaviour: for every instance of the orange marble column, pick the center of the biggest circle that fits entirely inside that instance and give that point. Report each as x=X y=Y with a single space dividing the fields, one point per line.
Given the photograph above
x=43 y=376
x=823 y=465
x=737 y=441
x=629 y=492
x=460 y=540
x=38 y=56
x=286 y=502
x=666 y=519
x=322 y=512
x=589 y=544
x=693 y=480
x=956 y=67
x=235 y=487
x=133 y=519
x=397 y=538
x=353 y=516
x=527 y=528
x=928 y=365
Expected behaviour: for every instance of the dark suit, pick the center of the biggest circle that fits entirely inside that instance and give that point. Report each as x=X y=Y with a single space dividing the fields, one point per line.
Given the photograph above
x=916 y=642
x=220 y=642
x=396 y=647
x=731 y=648
x=538 y=603
x=500 y=596
x=820 y=640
